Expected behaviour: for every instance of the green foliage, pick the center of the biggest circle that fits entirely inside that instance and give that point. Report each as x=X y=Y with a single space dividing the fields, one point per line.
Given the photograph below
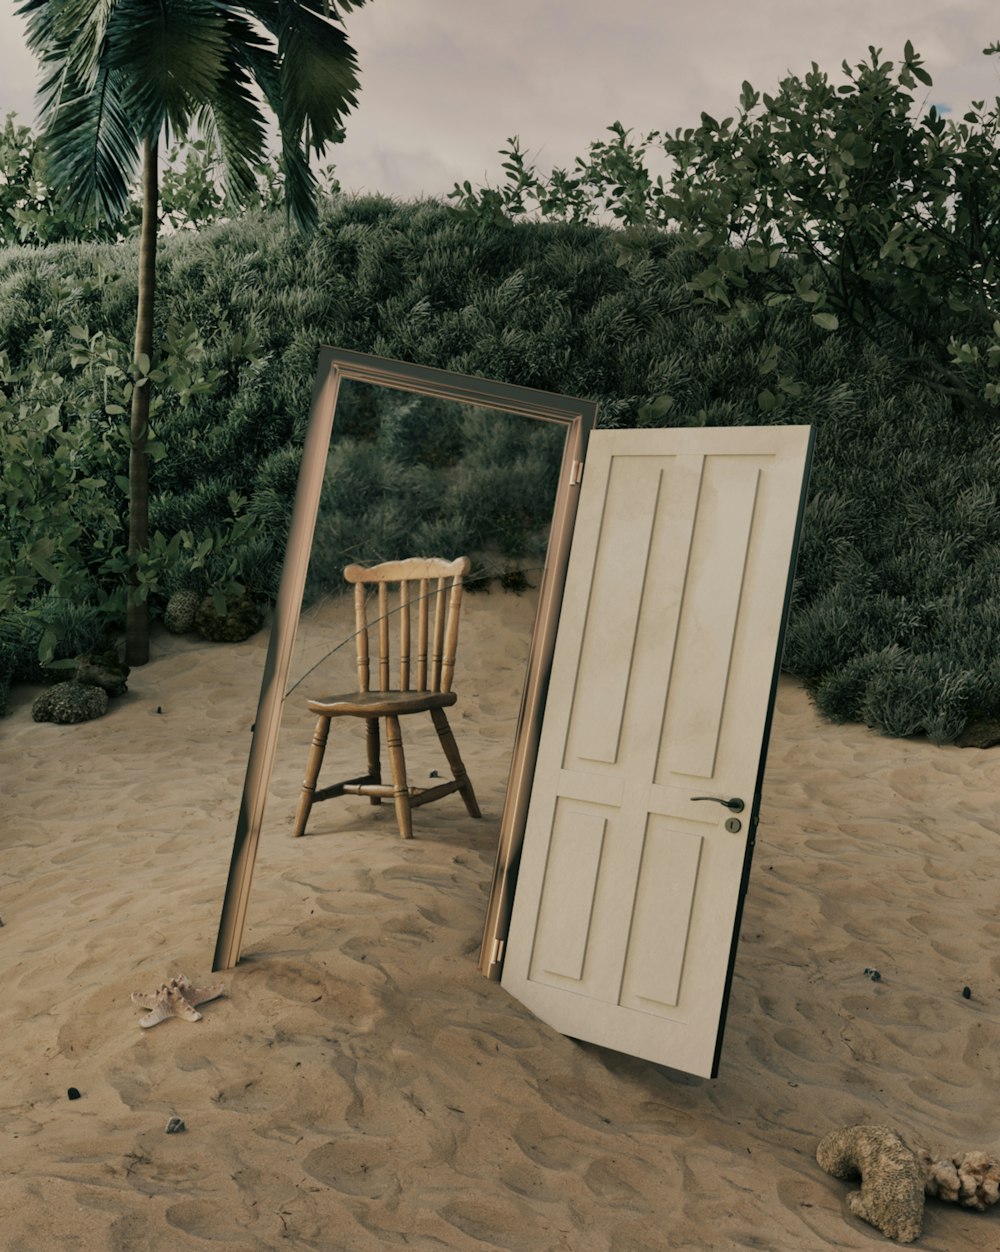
x=891 y=213
x=30 y=208
x=62 y=503
x=902 y=537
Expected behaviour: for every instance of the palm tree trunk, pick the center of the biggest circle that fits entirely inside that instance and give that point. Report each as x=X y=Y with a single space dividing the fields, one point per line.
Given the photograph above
x=137 y=612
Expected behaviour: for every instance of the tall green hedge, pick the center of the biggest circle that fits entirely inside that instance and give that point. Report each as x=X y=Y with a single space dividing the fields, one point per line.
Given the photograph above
x=896 y=612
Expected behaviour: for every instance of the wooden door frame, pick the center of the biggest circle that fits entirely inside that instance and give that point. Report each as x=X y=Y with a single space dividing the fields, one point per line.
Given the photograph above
x=578 y=417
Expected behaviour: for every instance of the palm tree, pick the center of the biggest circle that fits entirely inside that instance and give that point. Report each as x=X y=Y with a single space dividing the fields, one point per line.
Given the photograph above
x=119 y=74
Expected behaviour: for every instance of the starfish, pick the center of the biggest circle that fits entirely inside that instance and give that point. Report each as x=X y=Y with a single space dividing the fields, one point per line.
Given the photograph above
x=176 y=998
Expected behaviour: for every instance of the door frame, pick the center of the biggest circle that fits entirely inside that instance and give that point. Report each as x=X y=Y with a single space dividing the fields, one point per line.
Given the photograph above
x=578 y=418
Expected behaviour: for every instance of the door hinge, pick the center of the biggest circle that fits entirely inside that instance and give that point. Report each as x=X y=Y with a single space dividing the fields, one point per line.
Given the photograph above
x=576 y=474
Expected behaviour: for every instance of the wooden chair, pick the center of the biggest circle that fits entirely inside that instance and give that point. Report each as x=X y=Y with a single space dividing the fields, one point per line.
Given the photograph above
x=427 y=689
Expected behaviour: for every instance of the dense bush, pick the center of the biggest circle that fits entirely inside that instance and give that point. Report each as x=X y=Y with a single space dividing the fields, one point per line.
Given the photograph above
x=895 y=616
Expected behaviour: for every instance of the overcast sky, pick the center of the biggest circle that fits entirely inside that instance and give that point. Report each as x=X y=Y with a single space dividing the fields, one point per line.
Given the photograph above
x=445 y=82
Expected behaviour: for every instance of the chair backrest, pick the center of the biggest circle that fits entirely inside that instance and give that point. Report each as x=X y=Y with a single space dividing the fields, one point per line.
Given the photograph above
x=420 y=580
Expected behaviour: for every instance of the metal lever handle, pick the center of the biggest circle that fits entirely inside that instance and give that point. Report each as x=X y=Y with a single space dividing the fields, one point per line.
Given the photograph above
x=735 y=805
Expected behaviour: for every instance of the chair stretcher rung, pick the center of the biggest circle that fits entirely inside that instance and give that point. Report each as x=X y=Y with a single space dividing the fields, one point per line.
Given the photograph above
x=420 y=796
x=343 y=788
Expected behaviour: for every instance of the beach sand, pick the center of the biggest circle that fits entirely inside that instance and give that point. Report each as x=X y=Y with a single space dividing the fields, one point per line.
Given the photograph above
x=361 y=1086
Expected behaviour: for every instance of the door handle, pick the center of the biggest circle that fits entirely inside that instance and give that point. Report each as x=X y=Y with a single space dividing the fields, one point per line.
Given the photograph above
x=735 y=805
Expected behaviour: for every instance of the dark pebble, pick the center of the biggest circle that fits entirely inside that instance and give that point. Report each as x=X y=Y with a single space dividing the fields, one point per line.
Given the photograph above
x=967 y=992
x=73 y=1094
x=873 y=974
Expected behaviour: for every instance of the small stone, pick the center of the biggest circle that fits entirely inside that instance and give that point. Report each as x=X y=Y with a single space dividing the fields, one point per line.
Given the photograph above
x=967 y=993
x=72 y=1094
x=175 y=1126
x=873 y=974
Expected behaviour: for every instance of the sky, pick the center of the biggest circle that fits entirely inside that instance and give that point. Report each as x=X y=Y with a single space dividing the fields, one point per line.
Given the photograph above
x=445 y=83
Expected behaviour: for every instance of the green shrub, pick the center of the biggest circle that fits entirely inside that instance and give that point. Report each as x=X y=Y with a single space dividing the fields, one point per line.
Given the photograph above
x=902 y=536
x=926 y=694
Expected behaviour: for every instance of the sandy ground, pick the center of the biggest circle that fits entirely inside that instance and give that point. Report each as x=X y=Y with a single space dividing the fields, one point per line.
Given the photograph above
x=360 y=1086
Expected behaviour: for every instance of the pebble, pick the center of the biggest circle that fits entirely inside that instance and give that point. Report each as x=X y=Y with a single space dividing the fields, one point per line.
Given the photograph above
x=967 y=992
x=175 y=1126
x=72 y=1094
x=873 y=974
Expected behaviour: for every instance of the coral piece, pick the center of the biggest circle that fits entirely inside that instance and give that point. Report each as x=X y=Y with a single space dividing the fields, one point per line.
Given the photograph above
x=103 y=670
x=70 y=702
x=181 y=611
x=241 y=620
x=176 y=998
x=970 y=1178
x=892 y=1179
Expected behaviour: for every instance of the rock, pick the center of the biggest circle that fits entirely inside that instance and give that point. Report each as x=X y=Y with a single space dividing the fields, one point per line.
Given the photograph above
x=181 y=611
x=103 y=670
x=892 y=1179
x=70 y=702
x=242 y=619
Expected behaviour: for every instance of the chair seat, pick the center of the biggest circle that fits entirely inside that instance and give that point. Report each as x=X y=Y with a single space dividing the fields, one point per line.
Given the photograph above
x=381 y=703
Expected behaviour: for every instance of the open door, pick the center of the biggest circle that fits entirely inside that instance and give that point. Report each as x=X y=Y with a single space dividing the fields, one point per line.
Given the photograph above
x=643 y=809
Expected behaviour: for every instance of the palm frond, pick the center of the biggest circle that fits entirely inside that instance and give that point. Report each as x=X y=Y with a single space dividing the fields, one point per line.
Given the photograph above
x=315 y=86
x=234 y=120
x=317 y=67
x=92 y=147
x=174 y=54
x=300 y=185
x=44 y=37
x=83 y=24
x=319 y=81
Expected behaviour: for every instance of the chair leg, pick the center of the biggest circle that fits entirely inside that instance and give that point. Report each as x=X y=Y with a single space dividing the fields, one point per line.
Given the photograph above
x=312 y=773
x=374 y=763
x=401 y=790
x=455 y=761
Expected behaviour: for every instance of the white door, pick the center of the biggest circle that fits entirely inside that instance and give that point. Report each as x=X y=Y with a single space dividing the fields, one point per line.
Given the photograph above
x=630 y=886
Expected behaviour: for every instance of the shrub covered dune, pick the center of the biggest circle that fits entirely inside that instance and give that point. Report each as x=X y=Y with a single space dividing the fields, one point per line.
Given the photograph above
x=896 y=610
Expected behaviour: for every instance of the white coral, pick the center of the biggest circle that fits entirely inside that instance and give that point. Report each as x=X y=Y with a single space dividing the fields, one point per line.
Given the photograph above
x=971 y=1179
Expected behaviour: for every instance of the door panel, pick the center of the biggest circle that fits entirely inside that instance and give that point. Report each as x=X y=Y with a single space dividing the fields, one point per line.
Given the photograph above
x=629 y=889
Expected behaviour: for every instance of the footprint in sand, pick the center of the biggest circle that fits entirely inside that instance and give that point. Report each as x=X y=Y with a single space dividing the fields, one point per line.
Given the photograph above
x=494 y=1224
x=355 y=1166
x=204 y=1220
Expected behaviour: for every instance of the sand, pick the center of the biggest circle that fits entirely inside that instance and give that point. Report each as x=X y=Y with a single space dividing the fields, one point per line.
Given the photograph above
x=361 y=1086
